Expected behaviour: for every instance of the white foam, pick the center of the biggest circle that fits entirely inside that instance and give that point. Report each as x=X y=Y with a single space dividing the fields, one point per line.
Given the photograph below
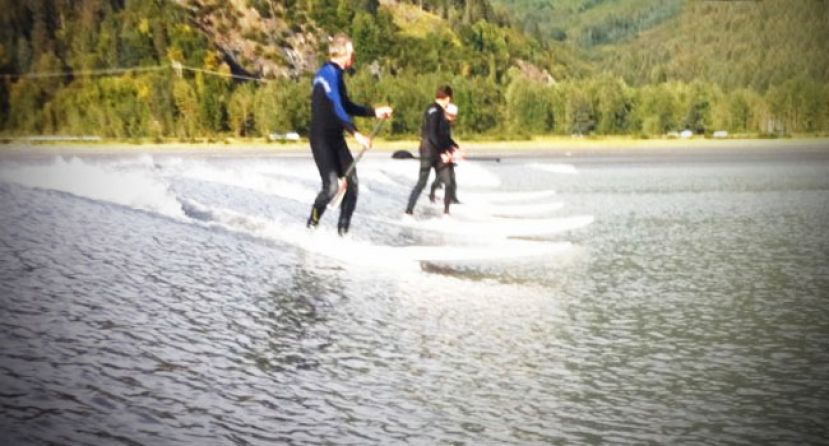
x=567 y=169
x=365 y=253
x=138 y=189
x=494 y=227
x=248 y=179
x=294 y=170
x=373 y=175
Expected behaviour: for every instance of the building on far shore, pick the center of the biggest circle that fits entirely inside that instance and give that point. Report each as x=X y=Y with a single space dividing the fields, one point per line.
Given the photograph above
x=289 y=136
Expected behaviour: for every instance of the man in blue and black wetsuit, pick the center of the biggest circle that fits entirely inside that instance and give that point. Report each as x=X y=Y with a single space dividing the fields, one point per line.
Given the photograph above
x=436 y=148
x=331 y=113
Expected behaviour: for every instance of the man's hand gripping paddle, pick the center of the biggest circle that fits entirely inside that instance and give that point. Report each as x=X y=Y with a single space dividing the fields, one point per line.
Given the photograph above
x=338 y=198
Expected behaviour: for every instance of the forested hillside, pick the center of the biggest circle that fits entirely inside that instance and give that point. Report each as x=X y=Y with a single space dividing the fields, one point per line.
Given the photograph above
x=190 y=69
x=753 y=65
x=735 y=44
x=589 y=23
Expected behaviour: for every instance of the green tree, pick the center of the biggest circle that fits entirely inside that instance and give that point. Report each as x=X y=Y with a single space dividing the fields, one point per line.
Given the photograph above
x=368 y=38
x=796 y=104
x=324 y=12
x=25 y=103
x=344 y=16
x=476 y=11
x=369 y=6
x=410 y=94
x=528 y=108
x=187 y=109
x=213 y=94
x=282 y=106
x=158 y=88
x=127 y=113
x=612 y=105
x=481 y=103
x=739 y=110
x=240 y=110
x=579 y=113
x=655 y=110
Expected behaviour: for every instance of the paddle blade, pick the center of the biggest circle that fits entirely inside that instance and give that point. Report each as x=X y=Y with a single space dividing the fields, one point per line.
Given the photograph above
x=338 y=198
x=483 y=158
x=402 y=155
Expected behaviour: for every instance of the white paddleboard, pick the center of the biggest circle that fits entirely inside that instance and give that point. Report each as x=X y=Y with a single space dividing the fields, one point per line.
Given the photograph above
x=497 y=252
x=364 y=253
x=567 y=169
x=405 y=173
x=495 y=227
x=505 y=196
x=485 y=210
x=361 y=252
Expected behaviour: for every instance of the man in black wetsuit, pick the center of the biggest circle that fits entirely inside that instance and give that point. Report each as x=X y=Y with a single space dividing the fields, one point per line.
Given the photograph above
x=436 y=147
x=331 y=112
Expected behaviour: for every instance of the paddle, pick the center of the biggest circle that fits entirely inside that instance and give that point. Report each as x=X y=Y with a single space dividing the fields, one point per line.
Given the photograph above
x=338 y=198
x=406 y=155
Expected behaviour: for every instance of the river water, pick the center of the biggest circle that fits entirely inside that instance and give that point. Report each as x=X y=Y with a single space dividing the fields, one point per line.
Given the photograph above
x=178 y=299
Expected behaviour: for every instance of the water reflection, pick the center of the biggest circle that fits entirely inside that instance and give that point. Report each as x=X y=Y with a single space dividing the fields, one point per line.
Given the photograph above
x=294 y=316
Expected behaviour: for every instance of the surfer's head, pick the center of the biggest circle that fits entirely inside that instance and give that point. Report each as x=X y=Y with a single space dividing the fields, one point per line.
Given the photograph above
x=341 y=50
x=443 y=95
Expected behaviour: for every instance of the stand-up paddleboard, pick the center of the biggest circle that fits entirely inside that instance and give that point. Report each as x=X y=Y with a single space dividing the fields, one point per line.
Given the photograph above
x=506 y=196
x=511 y=211
x=469 y=175
x=495 y=227
x=363 y=252
x=478 y=210
x=512 y=250
x=567 y=169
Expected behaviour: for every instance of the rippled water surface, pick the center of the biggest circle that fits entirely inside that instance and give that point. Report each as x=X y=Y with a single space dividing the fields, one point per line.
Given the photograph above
x=179 y=300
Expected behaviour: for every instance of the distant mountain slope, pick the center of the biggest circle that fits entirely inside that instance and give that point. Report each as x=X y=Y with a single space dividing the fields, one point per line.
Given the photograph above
x=588 y=23
x=753 y=44
x=263 y=37
x=185 y=68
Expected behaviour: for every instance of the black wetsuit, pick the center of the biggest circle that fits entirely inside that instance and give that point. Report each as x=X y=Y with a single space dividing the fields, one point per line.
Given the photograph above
x=331 y=112
x=435 y=139
x=437 y=183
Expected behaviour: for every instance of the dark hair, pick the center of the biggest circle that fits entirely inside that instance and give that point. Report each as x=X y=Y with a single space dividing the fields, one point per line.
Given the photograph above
x=444 y=91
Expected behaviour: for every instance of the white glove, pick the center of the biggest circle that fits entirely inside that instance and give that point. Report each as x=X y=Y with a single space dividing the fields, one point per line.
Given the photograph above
x=383 y=112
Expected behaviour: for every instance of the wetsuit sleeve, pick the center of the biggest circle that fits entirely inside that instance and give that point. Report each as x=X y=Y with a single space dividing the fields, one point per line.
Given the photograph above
x=331 y=81
x=352 y=108
x=437 y=132
x=448 y=129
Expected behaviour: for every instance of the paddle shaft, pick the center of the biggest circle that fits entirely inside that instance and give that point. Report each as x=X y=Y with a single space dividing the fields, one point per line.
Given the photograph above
x=405 y=154
x=353 y=165
x=343 y=186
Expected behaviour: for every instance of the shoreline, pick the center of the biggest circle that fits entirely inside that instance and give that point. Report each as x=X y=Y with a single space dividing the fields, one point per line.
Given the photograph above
x=564 y=146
